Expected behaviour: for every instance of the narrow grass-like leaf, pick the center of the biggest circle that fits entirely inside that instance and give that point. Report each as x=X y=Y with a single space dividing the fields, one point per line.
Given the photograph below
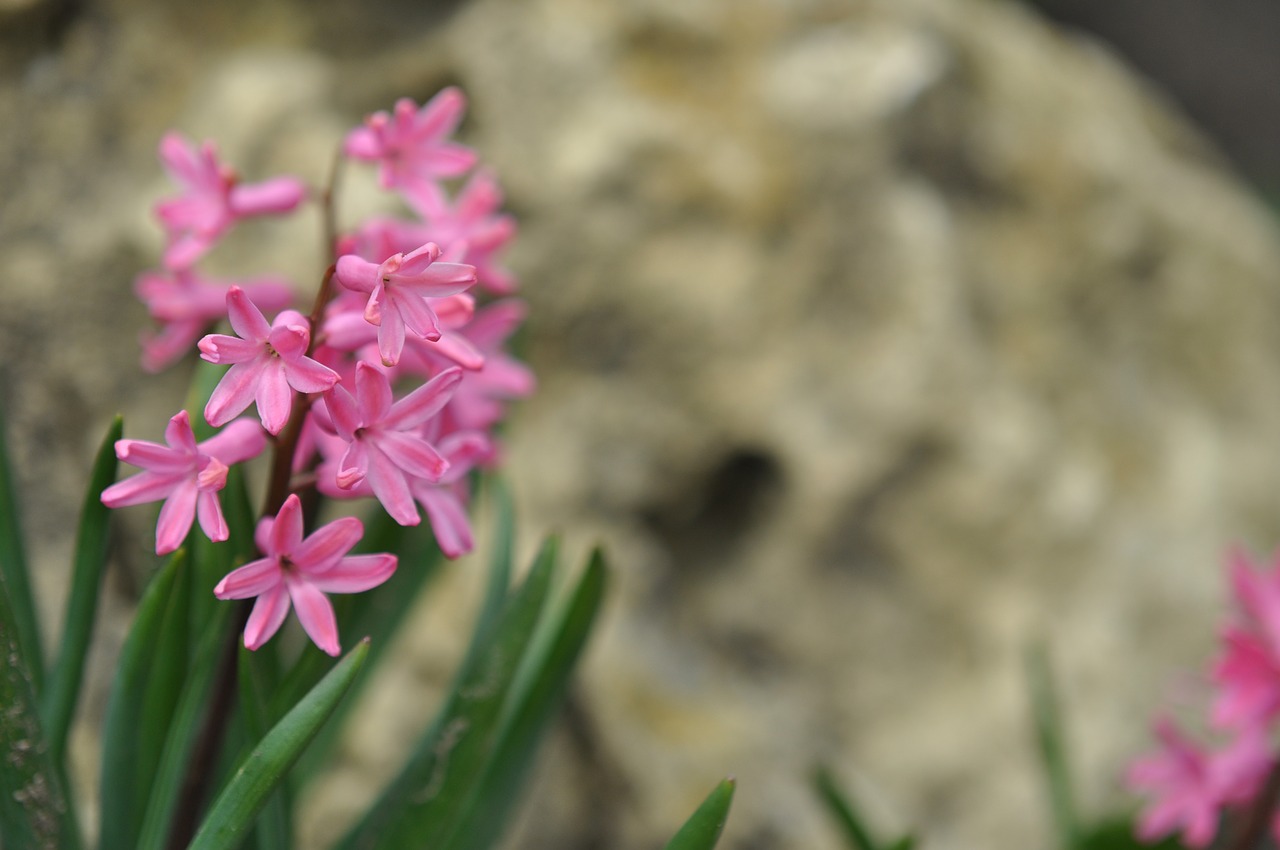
x=420 y=806
x=906 y=842
x=58 y=702
x=702 y=830
x=184 y=724
x=529 y=712
x=273 y=829
x=236 y=808
x=204 y=649
x=121 y=794
x=843 y=812
x=1049 y=742
x=34 y=810
x=164 y=685
x=14 y=579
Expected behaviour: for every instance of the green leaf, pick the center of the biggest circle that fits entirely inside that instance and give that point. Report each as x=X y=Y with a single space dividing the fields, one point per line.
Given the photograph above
x=906 y=842
x=121 y=793
x=1118 y=834
x=702 y=830
x=1049 y=742
x=233 y=813
x=62 y=691
x=14 y=579
x=34 y=810
x=529 y=712
x=274 y=829
x=843 y=812
x=421 y=805
x=202 y=650
x=184 y=724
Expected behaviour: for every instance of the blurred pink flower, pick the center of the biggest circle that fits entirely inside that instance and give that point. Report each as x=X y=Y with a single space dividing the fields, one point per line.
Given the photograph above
x=212 y=199
x=300 y=571
x=1190 y=785
x=187 y=305
x=186 y=475
x=411 y=146
x=269 y=362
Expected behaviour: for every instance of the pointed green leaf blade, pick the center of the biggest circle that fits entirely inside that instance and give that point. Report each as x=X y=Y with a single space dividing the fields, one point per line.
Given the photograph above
x=14 y=579
x=843 y=811
x=233 y=813
x=420 y=806
x=529 y=713
x=273 y=830
x=121 y=795
x=1047 y=721
x=34 y=810
x=62 y=691
x=702 y=830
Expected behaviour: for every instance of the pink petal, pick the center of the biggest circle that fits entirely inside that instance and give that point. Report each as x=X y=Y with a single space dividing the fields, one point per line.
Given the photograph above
x=253 y=579
x=391 y=337
x=238 y=442
x=459 y=349
x=286 y=532
x=391 y=488
x=178 y=433
x=343 y=412
x=362 y=143
x=440 y=116
x=316 y=615
x=184 y=251
x=278 y=195
x=209 y=511
x=141 y=488
x=357 y=274
x=309 y=376
x=235 y=392
x=424 y=402
x=496 y=322
x=176 y=517
x=440 y=280
x=355 y=574
x=262 y=533
x=448 y=520
x=412 y=454
x=267 y=617
x=415 y=312
x=326 y=546
x=447 y=160
x=246 y=319
x=274 y=396
x=152 y=456
x=290 y=334
x=221 y=348
x=373 y=391
x=353 y=467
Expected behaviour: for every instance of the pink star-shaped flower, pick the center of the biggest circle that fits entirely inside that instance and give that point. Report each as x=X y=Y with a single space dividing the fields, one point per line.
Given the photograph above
x=446 y=500
x=269 y=363
x=411 y=146
x=398 y=290
x=186 y=475
x=1190 y=785
x=384 y=446
x=212 y=199
x=299 y=571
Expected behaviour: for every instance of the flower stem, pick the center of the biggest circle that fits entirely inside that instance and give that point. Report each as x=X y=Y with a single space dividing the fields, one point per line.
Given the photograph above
x=1259 y=815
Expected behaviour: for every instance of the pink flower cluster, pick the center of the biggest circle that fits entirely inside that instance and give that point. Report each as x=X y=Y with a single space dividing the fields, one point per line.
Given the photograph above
x=1190 y=786
x=389 y=390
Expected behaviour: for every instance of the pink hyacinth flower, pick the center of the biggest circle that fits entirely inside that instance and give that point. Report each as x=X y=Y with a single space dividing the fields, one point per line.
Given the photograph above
x=384 y=446
x=479 y=401
x=269 y=362
x=299 y=571
x=187 y=305
x=212 y=200
x=398 y=289
x=475 y=220
x=411 y=146
x=1189 y=785
x=186 y=475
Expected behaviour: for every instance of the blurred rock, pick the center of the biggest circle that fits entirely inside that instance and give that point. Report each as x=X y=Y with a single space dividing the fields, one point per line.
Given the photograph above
x=876 y=340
